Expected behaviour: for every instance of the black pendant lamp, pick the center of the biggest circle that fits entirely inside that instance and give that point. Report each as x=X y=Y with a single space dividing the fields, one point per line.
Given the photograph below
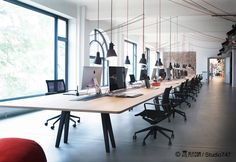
x=170 y=66
x=157 y=62
x=98 y=59
x=127 y=61
x=160 y=63
x=143 y=59
x=111 y=52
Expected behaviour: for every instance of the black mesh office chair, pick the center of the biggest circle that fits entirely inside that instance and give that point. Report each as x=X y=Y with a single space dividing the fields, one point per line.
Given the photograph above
x=54 y=87
x=155 y=115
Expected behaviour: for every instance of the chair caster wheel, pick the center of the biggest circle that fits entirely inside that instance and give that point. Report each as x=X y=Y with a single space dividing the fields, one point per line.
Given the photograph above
x=134 y=137
x=46 y=124
x=172 y=135
x=74 y=125
x=170 y=143
x=144 y=143
x=52 y=127
x=78 y=121
x=185 y=119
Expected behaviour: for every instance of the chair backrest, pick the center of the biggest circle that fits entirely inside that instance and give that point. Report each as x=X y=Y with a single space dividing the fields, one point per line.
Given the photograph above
x=56 y=86
x=166 y=99
x=156 y=102
x=181 y=87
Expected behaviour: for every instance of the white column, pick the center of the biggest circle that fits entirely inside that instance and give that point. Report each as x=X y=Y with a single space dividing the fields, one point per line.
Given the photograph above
x=80 y=42
x=234 y=67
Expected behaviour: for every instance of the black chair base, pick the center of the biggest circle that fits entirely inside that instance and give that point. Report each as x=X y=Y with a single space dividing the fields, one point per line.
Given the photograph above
x=58 y=117
x=152 y=130
x=180 y=113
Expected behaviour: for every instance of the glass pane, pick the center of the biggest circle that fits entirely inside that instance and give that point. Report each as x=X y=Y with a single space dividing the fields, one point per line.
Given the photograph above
x=132 y=57
x=61 y=28
x=61 y=59
x=26 y=51
x=94 y=48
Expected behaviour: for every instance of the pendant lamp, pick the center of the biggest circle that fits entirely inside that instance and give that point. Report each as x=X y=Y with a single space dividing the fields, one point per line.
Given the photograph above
x=127 y=61
x=143 y=59
x=111 y=52
x=157 y=62
x=98 y=59
x=158 y=53
x=160 y=63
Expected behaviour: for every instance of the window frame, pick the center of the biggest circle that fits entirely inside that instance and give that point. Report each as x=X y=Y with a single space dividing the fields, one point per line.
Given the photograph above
x=104 y=47
x=56 y=39
x=133 y=56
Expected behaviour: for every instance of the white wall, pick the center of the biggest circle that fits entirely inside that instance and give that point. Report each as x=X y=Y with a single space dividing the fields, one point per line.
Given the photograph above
x=60 y=8
x=79 y=39
x=227 y=70
x=234 y=67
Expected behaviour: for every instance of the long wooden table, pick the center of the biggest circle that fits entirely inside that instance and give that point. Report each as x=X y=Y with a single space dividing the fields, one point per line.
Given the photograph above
x=104 y=105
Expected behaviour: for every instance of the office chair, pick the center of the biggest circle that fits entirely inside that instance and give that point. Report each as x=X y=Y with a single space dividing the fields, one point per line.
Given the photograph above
x=180 y=94
x=188 y=90
x=54 y=87
x=156 y=115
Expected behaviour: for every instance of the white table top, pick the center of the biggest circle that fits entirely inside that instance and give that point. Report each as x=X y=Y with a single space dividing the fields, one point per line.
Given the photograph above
x=104 y=104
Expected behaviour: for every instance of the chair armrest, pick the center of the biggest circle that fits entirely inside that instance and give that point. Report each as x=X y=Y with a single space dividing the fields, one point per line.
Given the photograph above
x=153 y=105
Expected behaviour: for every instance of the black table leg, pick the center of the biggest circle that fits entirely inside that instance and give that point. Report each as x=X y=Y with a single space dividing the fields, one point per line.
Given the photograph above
x=67 y=123
x=63 y=121
x=107 y=131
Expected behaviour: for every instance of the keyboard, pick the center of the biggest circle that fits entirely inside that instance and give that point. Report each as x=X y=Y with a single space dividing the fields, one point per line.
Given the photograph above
x=89 y=97
x=127 y=94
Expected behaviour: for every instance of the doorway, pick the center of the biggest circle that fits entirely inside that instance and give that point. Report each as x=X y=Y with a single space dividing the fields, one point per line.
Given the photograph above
x=216 y=69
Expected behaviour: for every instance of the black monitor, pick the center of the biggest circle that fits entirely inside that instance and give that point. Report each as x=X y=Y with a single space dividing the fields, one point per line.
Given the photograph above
x=117 y=78
x=132 y=78
x=168 y=74
x=154 y=74
x=143 y=74
x=162 y=73
x=91 y=77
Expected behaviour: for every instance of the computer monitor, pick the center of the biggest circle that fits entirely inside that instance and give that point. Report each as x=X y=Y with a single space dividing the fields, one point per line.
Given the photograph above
x=143 y=74
x=162 y=73
x=91 y=77
x=116 y=78
x=154 y=74
x=168 y=75
x=132 y=78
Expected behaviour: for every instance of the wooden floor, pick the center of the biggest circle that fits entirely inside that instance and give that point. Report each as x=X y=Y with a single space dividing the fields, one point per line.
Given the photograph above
x=208 y=135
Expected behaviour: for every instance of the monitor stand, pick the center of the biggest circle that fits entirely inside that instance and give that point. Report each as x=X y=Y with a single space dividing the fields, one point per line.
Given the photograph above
x=97 y=86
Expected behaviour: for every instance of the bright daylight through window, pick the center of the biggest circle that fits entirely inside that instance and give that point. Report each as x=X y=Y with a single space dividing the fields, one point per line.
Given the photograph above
x=26 y=51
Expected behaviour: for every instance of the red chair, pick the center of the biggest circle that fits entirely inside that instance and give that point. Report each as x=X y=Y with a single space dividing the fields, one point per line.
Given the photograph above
x=20 y=150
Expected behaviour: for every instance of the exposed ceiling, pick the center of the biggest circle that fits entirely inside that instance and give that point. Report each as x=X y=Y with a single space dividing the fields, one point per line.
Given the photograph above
x=192 y=20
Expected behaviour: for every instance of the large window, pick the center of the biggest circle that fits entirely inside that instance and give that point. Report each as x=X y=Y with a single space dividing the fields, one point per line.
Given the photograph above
x=130 y=48
x=33 y=48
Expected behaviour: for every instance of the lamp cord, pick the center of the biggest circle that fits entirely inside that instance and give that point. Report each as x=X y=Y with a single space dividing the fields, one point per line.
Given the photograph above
x=111 y=20
x=143 y=28
x=127 y=25
x=157 y=32
x=160 y=25
x=98 y=23
x=170 y=39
